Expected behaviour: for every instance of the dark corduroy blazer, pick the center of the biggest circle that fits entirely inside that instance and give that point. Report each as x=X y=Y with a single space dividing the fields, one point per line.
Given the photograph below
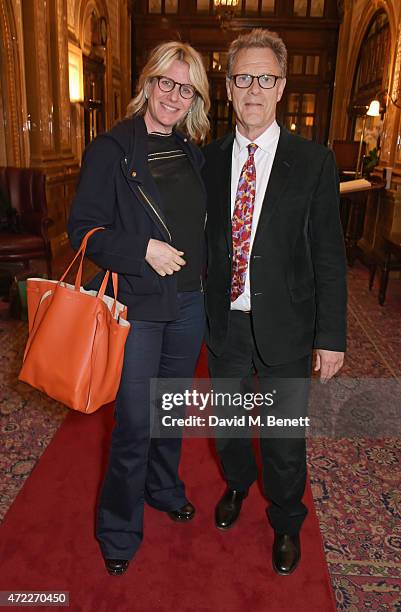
x=117 y=191
x=297 y=263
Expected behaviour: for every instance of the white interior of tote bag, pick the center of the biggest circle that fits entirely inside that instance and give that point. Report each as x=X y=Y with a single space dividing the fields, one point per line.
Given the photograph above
x=109 y=301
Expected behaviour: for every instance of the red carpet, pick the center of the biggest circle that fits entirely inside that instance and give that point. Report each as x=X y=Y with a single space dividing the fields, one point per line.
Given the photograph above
x=47 y=541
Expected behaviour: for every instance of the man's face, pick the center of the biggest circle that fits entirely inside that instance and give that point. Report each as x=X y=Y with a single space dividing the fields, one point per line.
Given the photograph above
x=255 y=107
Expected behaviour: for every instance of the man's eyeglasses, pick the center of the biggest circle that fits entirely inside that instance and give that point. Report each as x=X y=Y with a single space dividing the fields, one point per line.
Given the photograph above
x=166 y=84
x=244 y=81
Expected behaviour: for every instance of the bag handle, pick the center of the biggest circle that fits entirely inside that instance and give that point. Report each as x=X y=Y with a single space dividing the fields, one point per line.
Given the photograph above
x=80 y=252
x=103 y=286
x=78 y=278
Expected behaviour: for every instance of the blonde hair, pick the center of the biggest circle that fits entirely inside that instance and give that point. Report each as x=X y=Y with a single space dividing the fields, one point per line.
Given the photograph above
x=258 y=38
x=195 y=123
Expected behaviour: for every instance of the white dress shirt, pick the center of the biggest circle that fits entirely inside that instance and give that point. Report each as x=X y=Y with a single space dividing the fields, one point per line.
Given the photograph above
x=264 y=157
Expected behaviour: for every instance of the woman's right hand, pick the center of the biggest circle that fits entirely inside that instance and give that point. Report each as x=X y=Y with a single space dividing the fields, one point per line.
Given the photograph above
x=164 y=258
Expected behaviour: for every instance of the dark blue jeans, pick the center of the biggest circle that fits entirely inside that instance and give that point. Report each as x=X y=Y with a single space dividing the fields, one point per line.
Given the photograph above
x=142 y=468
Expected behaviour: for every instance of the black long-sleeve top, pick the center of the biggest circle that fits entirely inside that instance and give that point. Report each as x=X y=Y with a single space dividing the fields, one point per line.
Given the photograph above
x=182 y=202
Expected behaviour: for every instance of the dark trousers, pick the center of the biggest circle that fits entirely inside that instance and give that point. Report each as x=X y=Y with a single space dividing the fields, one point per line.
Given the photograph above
x=142 y=468
x=283 y=459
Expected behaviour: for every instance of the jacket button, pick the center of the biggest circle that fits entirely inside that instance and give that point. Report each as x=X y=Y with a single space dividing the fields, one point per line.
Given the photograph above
x=133 y=174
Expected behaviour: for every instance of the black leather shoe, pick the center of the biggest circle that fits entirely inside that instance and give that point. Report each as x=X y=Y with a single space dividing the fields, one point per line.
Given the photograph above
x=116 y=567
x=228 y=509
x=183 y=514
x=286 y=553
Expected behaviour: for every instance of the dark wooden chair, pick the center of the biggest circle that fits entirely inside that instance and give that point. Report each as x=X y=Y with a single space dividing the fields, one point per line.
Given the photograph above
x=391 y=261
x=26 y=236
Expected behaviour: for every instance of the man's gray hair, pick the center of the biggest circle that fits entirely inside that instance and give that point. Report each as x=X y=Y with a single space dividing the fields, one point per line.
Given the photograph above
x=258 y=38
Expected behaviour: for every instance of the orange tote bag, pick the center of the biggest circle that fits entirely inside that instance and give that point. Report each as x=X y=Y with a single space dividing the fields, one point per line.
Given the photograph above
x=75 y=348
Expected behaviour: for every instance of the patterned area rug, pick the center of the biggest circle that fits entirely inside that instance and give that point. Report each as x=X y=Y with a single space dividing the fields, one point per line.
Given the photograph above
x=356 y=483
x=28 y=419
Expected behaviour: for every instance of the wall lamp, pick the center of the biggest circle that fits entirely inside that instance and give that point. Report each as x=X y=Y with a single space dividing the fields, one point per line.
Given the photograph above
x=387 y=96
x=372 y=111
x=75 y=73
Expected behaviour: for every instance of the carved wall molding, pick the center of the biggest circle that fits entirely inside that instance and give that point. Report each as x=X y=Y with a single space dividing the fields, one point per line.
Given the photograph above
x=39 y=86
x=62 y=77
x=16 y=153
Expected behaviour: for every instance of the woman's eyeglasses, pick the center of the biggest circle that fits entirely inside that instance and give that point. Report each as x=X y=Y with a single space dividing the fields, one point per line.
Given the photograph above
x=186 y=91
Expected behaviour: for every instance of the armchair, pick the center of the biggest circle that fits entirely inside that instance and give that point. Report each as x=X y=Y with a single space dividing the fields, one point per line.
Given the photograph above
x=26 y=237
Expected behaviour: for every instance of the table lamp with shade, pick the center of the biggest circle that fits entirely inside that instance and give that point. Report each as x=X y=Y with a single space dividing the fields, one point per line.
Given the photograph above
x=373 y=111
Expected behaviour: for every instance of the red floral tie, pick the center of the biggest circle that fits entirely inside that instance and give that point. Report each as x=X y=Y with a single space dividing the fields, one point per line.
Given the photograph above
x=242 y=223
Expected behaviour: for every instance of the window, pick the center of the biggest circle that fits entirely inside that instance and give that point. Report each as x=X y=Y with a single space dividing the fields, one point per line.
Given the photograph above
x=268 y=7
x=309 y=8
x=308 y=103
x=300 y=114
x=162 y=7
x=296 y=64
x=372 y=69
x=206 y=61
x=155 y=6
x=251 y=7
x=171 y=6
x=293 y=103
x=255 y=7
x=317 y=8
x=306 y=127
x=304 y=64
x=219 y=61
x=202 y=6
x=312 y=64
x=300 y=8
x=221 y=110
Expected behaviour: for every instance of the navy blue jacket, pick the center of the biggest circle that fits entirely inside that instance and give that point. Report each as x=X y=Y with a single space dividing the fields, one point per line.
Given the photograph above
x=117 y=191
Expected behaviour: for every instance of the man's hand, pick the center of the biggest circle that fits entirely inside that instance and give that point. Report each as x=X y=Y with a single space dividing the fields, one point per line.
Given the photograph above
x=164 y=258
x=329 y=363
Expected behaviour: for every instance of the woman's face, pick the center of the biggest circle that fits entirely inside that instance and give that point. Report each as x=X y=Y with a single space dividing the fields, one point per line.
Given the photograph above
x=166 y=109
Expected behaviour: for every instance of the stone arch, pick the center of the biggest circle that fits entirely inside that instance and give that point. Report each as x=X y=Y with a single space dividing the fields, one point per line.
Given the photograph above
x=84 y=9
x=371 y=9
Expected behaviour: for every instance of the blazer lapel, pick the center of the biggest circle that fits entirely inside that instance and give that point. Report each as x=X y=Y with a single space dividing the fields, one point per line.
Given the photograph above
x=224 y=187
x=277 y=182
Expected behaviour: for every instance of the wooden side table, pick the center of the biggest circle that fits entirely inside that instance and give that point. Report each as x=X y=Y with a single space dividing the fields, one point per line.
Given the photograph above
x=392 y=261
x=353 y=204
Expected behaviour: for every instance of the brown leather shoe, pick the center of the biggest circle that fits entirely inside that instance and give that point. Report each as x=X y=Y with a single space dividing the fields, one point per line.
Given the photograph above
x=116 y=567
x=286 y=553
x=183 y=514
x=228 y=509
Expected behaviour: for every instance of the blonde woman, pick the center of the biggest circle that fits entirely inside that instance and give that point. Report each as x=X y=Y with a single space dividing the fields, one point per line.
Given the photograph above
x=141 y=181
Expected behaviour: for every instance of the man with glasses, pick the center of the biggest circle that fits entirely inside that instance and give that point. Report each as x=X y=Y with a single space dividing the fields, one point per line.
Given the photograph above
x=276 y=285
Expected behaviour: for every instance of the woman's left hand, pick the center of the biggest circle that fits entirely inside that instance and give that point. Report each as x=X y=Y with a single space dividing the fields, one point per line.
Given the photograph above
x=164 y=258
